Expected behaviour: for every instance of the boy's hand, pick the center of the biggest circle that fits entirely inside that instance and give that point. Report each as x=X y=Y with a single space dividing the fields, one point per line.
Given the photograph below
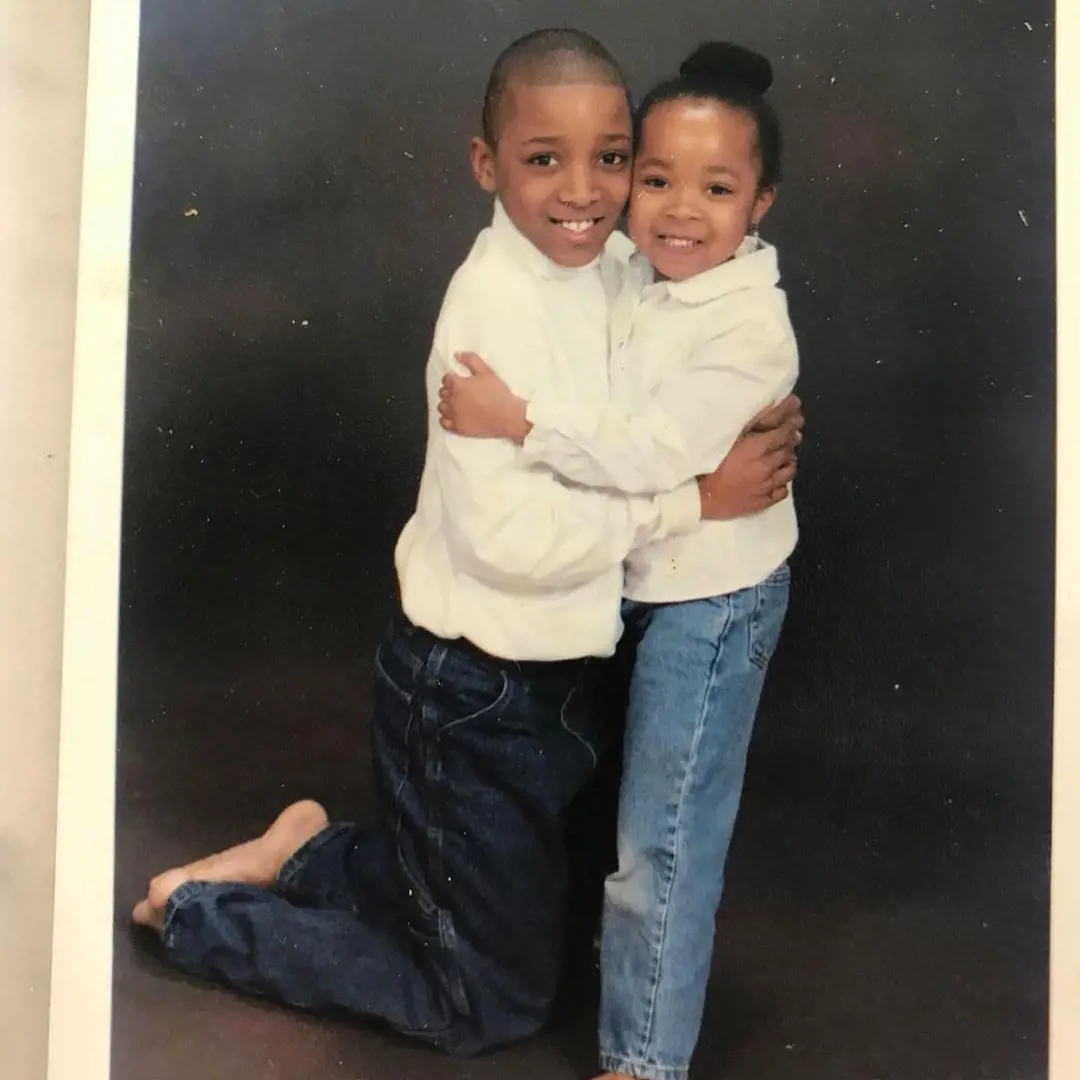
x=480 y=404
x=754 y=476
x=788 y=411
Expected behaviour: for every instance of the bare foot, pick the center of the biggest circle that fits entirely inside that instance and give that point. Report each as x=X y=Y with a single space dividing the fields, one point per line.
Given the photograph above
x=259 y=861
x=254 y=862
x=150 y=911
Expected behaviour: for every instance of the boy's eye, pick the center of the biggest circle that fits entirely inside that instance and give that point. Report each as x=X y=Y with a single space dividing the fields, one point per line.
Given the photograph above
x=719 y=189
x=543 y=160
x=614 y=158
x=654 y=181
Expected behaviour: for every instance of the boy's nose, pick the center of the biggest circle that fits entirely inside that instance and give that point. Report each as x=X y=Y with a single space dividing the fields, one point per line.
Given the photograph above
x=579 y=187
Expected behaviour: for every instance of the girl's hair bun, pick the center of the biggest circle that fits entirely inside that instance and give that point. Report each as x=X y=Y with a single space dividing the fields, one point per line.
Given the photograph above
x=728 y=64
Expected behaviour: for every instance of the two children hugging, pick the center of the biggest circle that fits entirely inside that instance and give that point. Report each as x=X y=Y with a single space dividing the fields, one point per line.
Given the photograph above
x=617 y=461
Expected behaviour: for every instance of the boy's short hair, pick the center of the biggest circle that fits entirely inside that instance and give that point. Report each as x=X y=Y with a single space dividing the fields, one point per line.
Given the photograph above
x=546 y=58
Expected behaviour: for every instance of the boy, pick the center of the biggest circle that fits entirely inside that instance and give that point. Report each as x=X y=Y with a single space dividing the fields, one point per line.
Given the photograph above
x=444 y=919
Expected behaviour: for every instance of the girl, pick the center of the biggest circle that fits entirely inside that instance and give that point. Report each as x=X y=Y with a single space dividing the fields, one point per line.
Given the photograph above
x=701 y=342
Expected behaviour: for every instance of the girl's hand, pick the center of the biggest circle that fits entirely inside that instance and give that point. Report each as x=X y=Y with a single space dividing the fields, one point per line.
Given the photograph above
x=480 y=405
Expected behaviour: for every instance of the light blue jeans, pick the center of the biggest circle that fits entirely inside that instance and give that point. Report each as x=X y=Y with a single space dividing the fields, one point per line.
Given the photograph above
x=695 y=689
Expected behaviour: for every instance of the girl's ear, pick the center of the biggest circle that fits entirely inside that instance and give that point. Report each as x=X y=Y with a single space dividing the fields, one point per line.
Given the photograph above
x=762 y=205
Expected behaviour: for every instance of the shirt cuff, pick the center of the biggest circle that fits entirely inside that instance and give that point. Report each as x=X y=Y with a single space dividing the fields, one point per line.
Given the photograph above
x=544 y=423
x=680 y=509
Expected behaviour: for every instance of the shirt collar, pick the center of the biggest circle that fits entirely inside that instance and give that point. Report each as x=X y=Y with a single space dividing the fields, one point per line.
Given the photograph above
x=753 y=265
x=525 y=252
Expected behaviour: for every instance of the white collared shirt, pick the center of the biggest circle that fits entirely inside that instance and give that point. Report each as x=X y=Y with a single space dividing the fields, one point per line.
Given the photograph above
x=521 y=563
x=692 y=362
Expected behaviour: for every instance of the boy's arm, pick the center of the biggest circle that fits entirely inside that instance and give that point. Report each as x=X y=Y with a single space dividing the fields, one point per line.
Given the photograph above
x=686 y=429
x=519 y=527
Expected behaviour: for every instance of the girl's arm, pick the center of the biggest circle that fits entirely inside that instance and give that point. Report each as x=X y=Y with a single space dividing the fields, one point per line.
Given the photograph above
x=685 y=430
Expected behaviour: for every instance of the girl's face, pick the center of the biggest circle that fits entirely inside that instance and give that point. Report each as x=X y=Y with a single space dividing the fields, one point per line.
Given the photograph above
x=695 y=192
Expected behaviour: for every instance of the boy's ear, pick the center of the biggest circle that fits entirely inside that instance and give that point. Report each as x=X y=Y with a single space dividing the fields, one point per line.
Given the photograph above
x=482 y=159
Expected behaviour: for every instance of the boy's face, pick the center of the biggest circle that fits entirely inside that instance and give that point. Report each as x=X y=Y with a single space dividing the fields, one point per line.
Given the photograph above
x=696 y=188
x=561 y=167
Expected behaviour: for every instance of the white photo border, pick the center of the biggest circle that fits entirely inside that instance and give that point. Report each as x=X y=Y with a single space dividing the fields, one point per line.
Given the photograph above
x=81 y=992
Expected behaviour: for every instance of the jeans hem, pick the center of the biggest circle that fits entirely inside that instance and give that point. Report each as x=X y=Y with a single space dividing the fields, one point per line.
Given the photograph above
x=297 y=862
x=177 y=899
x=642 y=1070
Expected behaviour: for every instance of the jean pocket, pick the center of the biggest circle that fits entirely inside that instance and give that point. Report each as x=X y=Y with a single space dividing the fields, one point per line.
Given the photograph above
x=780 y=578
x=463 y=696
x=395 y=673
x=768 y=619
x=579 y=718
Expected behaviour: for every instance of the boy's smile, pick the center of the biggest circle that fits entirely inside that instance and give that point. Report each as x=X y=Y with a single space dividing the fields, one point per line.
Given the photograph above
x=561 y=167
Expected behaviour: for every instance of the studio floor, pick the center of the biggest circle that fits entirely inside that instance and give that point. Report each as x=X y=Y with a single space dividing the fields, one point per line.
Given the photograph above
x=867 y=934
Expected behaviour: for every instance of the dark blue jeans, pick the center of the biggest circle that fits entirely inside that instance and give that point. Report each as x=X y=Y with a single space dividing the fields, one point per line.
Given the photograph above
x=444 y=919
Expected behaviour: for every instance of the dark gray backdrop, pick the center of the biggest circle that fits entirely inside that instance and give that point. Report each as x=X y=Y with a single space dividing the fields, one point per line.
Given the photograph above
x=302 y=197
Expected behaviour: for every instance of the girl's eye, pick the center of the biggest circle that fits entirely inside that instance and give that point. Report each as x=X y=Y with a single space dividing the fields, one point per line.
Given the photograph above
x=615 y=158
x=543 y=160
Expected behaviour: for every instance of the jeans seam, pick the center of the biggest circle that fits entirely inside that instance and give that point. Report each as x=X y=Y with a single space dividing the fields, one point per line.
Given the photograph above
x=432 y=778
x=416 y=707
x=703 y=711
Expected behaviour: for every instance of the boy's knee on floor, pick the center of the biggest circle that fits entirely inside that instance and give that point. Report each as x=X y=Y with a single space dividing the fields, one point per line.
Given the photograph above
x=495 y=1029
x=508 y=1006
